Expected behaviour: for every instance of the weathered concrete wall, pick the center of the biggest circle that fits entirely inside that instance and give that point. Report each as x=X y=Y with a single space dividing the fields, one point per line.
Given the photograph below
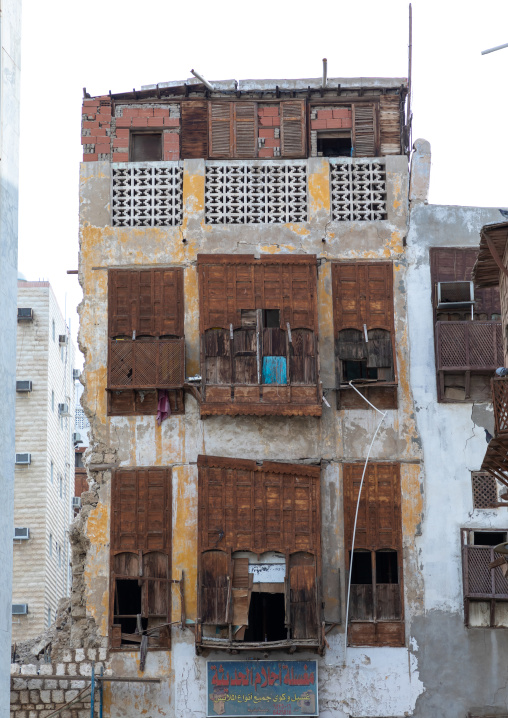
x=43 y=491
x=460 y=668
x=375 y=681
x=10 y=28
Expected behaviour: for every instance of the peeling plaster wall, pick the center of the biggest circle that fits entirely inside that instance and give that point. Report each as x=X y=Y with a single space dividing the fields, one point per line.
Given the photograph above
x=376 y=681
x=461 y=668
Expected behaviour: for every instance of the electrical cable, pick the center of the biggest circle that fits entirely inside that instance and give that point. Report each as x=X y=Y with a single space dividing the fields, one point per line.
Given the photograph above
x=383 y=416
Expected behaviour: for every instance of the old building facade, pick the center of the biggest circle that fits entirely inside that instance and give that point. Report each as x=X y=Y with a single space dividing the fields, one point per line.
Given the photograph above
x=258 y=269
x=44 y=476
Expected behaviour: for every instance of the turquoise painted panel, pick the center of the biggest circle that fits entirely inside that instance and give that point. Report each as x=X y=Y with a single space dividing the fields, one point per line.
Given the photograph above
x=274 y=370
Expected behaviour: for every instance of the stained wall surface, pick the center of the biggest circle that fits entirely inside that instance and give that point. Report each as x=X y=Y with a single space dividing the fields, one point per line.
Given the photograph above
x=459 y=667
x=372 y=681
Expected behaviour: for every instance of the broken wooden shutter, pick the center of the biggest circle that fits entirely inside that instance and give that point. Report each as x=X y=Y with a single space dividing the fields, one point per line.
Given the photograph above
x=194 y=129
x=245 y=130
x=245 y=356
x=214 y=587
x=364 y=130
x=292 y=128
x=221 y=129
x=217 y=356
x=303 y=595
x=242 y=591
x=389 y=125
x=168 y=302
x=302 y=363
x=121 y=303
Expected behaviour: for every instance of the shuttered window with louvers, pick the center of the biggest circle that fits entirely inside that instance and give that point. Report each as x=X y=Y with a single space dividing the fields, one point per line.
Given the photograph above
x=194 y=130
x=140 y=547
x=364 y=130
x=292 y=128
x=245 y=125
x=221 y=129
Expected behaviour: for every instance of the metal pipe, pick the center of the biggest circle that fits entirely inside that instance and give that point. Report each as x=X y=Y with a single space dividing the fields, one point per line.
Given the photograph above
x=325 y=71
x=92 y=694
x=202 y=79
x=493 y=49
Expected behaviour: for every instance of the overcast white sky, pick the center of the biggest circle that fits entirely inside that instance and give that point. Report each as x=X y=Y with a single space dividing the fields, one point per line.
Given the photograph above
x=460 y=98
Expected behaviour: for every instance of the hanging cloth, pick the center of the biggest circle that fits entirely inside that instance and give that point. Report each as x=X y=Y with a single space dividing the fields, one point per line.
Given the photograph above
x=163 y=407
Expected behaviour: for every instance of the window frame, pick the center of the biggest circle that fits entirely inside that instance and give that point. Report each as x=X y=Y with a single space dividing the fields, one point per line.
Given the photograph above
x=374 y=536
x=123 y=547
x=261 y=483
x=494 y=597
x=135 y=132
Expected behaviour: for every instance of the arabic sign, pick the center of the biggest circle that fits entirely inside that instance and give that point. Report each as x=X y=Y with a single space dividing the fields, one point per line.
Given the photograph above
x=262 y=688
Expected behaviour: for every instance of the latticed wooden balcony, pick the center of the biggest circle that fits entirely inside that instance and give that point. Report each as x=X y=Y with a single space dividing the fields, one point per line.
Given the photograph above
x=146 y=364
x=496 y=456
x=469 y=346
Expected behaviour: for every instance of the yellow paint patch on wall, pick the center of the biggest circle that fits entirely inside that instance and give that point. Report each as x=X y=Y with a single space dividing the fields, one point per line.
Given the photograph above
x=185 y=536
x=298 y=228
x=394 y=245
x=193 y=195
x=412 y=500
x=96 y=390
x=319 y=189
x=191 y=294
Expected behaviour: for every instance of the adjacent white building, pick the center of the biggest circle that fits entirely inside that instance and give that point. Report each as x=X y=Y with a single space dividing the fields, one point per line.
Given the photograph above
x=44 y=475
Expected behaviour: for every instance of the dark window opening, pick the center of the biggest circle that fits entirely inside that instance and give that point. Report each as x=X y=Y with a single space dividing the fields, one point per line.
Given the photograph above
x=354 y=370
x=386 y=567
x=271 y=318
x=128 y=607
x=455 y=293
x=146 y=147
x=489 y=538
x=334 y=145
x=361 y=572
x=266 y=618
x=79 y=460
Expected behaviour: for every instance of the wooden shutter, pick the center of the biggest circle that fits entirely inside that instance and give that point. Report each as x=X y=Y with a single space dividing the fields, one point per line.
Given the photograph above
x=194 y=129
x=292 y=128
x=363 y=294
x=121 y=308
x=245 y=134
x=148 y=301
x=364 y=130
x=221 y=129
x=214 y=573
x=389 y=125
x=141 y=509
x=303 y=595
x=379 y=517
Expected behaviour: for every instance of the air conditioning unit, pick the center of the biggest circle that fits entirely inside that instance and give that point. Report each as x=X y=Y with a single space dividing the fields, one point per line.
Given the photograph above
x=23 y=386
x=63 y=410
x=76 y=374
x=76 y=502
x=21 y=534
x=63 y=339
x=23 y=459
x=76 y=438
x=19 y=609
x=454 y=295
x=25 y=314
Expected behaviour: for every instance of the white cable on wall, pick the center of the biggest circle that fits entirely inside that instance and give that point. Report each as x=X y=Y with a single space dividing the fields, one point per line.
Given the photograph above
x=383 y=415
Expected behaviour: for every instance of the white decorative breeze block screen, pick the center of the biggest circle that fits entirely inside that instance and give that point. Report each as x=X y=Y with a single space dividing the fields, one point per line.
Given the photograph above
x=358 y=190
x=147 y=195
x=255 y=193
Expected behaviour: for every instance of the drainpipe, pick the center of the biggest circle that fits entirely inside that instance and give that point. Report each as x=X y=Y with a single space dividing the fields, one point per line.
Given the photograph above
x=202 y=79
x=325 y=71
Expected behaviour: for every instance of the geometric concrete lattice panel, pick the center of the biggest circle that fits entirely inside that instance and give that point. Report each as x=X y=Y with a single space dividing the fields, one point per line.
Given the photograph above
x=256 y=192
x=147 y=195
x=358 y=189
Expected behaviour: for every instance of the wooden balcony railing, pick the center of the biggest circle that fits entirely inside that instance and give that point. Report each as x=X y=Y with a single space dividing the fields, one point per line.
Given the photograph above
x=146 y=364
x=469 y=346
x=495 y=461
x=500 y=403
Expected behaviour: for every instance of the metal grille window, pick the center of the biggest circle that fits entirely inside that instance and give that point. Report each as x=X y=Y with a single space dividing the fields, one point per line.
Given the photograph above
x=358 y=189
x=256 y=193
x=485 y=495
x=147 y=195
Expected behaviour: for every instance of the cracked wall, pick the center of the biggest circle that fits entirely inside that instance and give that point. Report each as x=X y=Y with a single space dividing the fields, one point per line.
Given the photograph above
x=458 y=666
x=375 y=681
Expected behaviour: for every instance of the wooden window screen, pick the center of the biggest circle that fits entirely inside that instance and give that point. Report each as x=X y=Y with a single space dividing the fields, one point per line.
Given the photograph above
x=194 y=129
x=292 y=128
x=363 y=303
x=376 y=609
x=140 y=549
x=243 y=506
x=485 y=493
x=240 y=298
x=364 y=130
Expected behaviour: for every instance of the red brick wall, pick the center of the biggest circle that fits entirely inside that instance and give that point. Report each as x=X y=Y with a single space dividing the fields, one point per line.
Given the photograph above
x=105 y=128
x=332 y=118
x=268 y=130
